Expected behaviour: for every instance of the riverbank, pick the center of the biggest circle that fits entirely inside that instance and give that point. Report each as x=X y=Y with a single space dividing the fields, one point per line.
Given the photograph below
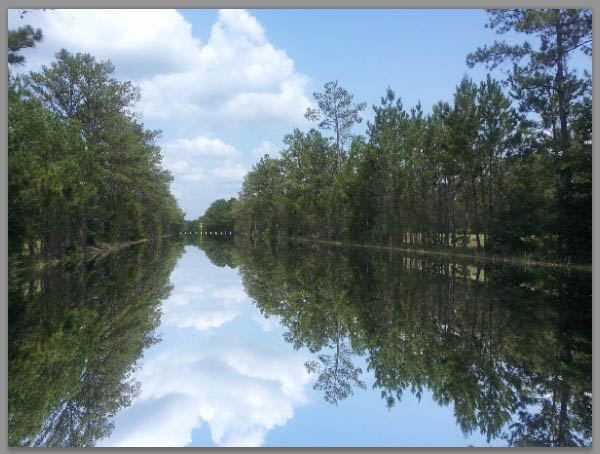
x=101 y=250
x=38 y=263
x=452 y=254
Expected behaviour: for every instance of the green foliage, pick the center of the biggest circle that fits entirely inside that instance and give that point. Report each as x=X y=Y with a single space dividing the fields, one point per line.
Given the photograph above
x=81 y=168
x=336 y=113
x=543 y=84
x=261 y=191
x=513 y=182
x=217 y=217
x=19 y=39
x=80 y=88
x=219 y=251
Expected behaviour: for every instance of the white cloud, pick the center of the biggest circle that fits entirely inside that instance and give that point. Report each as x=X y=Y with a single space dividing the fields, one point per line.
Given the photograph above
x=203 y=159
x=156 y=423
x=264 y=148
x=186 y=310
x=202 y=146
x=240 y=385
x=243 y=24
x=234 y=293
x=238 y=77
x=240 y=391
x=230 y=173
x=133 y=39
x=267 y=324
x=203 y=308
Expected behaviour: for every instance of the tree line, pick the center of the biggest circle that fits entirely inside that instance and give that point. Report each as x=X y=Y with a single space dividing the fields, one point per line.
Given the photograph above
x=500 y=172
x=82 y=168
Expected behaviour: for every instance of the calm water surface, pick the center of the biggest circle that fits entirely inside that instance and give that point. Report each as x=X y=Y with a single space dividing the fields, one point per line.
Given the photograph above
x=230 y=344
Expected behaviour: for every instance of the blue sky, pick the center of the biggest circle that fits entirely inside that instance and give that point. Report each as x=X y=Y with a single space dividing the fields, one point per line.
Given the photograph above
x=224 y=376
x=226 y=86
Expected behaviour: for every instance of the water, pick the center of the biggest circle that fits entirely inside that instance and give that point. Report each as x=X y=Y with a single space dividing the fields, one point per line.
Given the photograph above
x=223 y=343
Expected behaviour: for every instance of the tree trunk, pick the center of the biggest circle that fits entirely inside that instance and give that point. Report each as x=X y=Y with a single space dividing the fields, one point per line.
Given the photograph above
x=563 y=108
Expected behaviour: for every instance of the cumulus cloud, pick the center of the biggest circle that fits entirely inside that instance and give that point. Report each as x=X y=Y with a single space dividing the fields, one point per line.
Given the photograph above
x=219 y=299
x=141 y=425
x=267 y=324
x=202 y=146
x=264 y=148
x=204 y=307
x=133 y=39
x=237 y=76
x=203 y=159
x=241 y=392
x=230 y=173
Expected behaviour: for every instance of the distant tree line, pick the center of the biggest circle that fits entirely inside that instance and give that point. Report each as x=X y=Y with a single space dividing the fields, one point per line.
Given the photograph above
x=477 y=172
x=81 y=166
x=217 y=218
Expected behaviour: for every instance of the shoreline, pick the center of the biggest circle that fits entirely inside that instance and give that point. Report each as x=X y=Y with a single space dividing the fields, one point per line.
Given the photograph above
x=104 y=249
x=452 y=254
x=88 y=255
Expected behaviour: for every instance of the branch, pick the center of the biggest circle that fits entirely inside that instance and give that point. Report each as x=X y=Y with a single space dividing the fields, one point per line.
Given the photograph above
x=578 y=45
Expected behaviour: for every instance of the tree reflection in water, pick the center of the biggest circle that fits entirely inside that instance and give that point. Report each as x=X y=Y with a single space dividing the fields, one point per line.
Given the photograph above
x=75 y=336
x=509 y=348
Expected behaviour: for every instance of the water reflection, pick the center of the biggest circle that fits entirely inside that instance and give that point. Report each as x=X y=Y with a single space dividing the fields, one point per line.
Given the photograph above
x=248 y=329
x=221 y=375
x=75 y=335
x=509 y=348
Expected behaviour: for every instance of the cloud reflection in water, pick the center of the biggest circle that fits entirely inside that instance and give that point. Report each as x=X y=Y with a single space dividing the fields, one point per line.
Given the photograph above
x=241 y=380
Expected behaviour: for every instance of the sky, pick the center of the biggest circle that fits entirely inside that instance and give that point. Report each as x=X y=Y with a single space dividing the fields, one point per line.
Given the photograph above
x=226 y=86
x=223 y=375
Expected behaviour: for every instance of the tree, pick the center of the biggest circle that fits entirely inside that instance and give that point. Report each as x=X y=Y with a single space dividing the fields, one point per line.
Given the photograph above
x=308 y=170
x=19 y=39
x=476 y=172
x=336 y=112
x=78 y=87
x=81 y=167
x=387 y=163
x=460 y=331
x=217 y=216
x=546 y=73
x=260 y=194
x=497 y=139
x=464 y=131
x=336 y=373
x=544 y=84
x=46 y=166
